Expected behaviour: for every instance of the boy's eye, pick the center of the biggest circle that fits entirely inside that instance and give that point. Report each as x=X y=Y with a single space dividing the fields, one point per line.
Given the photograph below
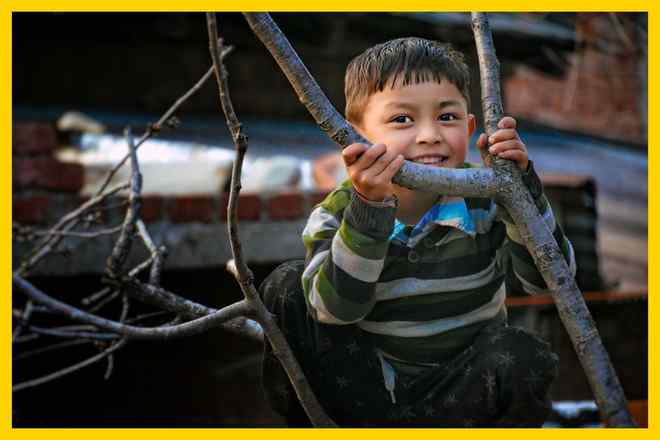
x=448 y=117
x=401 y=119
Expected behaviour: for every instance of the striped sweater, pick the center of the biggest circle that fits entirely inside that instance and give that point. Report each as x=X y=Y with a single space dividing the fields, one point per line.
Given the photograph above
x=423 y=292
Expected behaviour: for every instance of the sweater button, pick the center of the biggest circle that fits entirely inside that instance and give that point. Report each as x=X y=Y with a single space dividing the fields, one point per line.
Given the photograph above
x=413 y=257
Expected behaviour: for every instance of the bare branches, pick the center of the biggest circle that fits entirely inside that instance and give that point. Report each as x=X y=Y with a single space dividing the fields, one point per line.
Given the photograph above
x=164 y=119
x=196 y=326
x=70 y=369
x=65 y=224
x=239 y=268
x=121 y=281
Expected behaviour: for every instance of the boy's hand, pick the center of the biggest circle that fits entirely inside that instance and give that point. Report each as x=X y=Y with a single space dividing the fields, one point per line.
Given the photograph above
x=371 y=169
x=506 y=143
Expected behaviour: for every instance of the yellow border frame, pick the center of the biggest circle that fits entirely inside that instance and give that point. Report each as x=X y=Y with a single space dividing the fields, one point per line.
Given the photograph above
x=6 y=8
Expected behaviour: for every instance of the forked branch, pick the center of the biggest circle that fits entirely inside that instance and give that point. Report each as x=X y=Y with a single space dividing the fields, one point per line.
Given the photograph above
x=238 y=267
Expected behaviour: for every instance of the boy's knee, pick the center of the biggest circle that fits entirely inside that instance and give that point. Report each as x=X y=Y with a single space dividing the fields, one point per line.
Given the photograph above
x=525 y=355
x=282 y=281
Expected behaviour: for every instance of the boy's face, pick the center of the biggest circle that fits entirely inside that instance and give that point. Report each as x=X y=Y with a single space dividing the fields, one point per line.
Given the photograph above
x=427 y=123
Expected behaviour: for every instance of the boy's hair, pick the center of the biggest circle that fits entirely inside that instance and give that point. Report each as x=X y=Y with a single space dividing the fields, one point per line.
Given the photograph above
x=402 y=61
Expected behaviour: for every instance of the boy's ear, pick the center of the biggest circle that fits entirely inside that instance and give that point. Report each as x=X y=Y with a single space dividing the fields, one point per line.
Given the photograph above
x=472 y=124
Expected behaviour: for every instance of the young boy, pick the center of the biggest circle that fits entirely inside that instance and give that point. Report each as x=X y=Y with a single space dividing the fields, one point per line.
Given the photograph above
x=400 y=319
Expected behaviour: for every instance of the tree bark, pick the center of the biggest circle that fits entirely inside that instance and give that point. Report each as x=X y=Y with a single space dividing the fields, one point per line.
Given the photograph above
x=281 y=348
x=515 y=197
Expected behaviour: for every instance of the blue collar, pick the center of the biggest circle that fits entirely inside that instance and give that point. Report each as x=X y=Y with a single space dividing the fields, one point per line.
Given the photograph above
x=451 y=211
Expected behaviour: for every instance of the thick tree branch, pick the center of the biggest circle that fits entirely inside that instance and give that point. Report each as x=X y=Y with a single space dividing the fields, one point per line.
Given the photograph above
x=242 y=273
x=544 y=249
x=470 y=182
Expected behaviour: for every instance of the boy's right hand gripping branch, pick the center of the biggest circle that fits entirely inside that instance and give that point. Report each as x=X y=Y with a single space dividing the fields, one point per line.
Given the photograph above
x=371 y=169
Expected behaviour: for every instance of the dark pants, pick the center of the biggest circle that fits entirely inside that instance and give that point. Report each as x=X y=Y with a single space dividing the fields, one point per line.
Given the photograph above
x=501 y=380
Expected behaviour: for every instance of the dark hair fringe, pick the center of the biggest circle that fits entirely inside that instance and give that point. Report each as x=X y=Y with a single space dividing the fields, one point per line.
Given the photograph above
x=403 y=61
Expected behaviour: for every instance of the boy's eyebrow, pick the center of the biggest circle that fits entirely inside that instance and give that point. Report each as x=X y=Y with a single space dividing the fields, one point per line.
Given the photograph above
x=411 y=105
x=449 y=103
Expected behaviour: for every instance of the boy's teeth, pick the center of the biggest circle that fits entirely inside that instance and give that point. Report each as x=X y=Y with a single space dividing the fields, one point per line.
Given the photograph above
x=429 y=160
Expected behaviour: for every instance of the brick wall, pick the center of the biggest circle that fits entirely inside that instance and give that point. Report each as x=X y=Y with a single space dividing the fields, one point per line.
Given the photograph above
x=41 y=183
x=602 y=92
x=193 y=227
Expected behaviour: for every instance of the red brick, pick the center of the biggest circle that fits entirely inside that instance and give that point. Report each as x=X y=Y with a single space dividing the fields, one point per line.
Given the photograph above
x=152 y=208
x=191 y=209
x=47 y=172
x=286 y=206
x=249 y=207
x=33 y=137
x=30 y=209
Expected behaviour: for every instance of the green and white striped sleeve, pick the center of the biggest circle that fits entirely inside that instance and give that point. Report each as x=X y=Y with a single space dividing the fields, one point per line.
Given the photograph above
x=346 y=240
x=522 y=262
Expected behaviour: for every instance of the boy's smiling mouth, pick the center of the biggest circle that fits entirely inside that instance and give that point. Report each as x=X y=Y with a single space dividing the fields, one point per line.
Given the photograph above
x=430 y=159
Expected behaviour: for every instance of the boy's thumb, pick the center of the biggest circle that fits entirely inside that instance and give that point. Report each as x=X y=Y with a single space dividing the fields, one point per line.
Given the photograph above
x=481 y=141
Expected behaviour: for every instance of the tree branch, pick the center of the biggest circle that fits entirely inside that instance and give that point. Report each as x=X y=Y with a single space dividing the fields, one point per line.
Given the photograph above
x=65 y=224
x=156 y=127
x=68 y=370
x=124 y=241
x=544 y=249
x=242 y=273
x=194 y=327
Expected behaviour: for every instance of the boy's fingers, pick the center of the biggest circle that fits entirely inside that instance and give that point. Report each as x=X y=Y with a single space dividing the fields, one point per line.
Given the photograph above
x=380 y=164
x=507 y=122
x=350 y=154
x=503 y=135
x=392 y=168
x=517 y=156
x=371 y=154
x=509 y=145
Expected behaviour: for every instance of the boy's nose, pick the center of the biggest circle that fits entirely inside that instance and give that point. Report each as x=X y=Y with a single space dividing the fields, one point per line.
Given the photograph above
x=429 y=134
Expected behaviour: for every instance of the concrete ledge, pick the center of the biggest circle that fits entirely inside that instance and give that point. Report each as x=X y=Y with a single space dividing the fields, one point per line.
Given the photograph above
x=189 y=245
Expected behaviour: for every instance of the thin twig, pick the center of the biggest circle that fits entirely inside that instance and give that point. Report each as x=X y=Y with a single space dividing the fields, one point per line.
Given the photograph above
x=68 y=370
x=52 y=347
x=157 y=254
x=72 y=334
x=25 y=318
x=107 y=300
x=66 y=223
x=90 y=234
x=621 y=32
x=123 y=244
x=155 y=128
x=122 y=318
x=243 y=275
x=25 y=338
x=103 y=292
